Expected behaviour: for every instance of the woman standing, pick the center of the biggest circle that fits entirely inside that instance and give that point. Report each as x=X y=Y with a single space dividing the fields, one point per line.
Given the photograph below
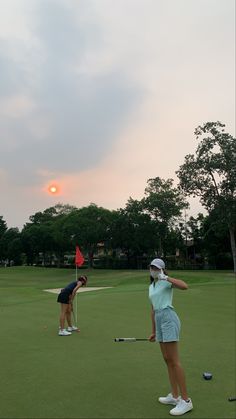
x=66 y=298
x=166 y=330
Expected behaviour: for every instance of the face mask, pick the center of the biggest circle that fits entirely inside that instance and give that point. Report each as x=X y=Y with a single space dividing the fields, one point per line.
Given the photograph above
x=154 y=274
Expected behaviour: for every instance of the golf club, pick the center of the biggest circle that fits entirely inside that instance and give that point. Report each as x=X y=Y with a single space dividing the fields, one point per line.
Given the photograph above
x=232 y=399
x=128 y=339
x=75 y=320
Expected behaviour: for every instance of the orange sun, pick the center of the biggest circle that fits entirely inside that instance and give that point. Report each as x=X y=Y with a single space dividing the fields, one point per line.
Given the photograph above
x=53 y=189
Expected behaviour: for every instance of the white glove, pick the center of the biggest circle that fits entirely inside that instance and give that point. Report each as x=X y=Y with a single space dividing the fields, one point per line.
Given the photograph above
x=162 y=276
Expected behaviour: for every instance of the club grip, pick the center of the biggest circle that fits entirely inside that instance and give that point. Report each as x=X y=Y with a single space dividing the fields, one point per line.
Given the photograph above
x=124 y=339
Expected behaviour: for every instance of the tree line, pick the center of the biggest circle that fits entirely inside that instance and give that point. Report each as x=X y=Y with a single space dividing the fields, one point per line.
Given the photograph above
x=156 y=225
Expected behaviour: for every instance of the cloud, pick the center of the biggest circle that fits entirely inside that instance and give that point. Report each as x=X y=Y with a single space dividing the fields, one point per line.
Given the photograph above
x=16 y=106
x=102 y=95
x=76 y=117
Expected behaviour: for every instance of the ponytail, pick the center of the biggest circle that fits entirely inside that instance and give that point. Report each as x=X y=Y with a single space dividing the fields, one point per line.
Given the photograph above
x=152 y=281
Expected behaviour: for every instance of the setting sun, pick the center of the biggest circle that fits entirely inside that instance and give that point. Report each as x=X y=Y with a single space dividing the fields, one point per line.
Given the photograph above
x=53 y=189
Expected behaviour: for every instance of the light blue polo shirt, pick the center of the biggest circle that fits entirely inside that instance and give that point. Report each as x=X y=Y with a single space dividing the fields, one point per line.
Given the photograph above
x=161 y=294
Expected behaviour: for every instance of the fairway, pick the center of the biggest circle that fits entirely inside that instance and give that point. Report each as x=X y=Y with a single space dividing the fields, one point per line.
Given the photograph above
x=88 y=375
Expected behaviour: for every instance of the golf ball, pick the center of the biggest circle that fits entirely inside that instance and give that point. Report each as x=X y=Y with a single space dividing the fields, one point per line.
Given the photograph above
x=207 y=375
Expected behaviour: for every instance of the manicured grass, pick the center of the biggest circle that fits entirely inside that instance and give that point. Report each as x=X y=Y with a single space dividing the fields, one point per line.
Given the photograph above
x=88 y=375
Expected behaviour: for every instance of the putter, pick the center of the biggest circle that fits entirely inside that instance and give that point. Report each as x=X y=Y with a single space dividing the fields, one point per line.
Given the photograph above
x=75 y=320
x=129 y=339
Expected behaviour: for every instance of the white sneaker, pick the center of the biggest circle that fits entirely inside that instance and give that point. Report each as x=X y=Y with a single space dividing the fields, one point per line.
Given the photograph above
x=182 y=407
x=169 y=399
x=73 y=329
x=63 y=332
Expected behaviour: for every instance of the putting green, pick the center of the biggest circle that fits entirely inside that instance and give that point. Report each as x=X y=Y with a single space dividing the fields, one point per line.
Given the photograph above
x=87 y=374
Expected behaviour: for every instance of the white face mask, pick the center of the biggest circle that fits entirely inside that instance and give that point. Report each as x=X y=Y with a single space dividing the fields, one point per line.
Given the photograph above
x=154 y=274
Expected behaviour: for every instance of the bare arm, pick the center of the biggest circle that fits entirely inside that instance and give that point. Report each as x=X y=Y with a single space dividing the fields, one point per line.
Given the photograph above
x=153 y=334
x=178 y=283
x=75 y=290
x=153 y=321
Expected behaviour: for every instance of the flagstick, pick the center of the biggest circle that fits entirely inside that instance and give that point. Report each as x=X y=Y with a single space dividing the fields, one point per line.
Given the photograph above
x=76 y=308
x=79 y=260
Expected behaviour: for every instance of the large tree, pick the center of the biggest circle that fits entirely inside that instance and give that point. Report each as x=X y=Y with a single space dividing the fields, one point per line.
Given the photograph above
x=11 y=247
x=3 y=229
x=3 y=226
x=44 y=234
x=216 y=243
x=211 y=174
x=133 y=232
x=164 y=203
x=89 y=226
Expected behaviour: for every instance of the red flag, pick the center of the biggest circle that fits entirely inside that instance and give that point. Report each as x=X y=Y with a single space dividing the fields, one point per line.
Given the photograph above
x=79 y=259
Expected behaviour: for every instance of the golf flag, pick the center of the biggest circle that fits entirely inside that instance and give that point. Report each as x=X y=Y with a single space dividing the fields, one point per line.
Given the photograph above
x=79 y=259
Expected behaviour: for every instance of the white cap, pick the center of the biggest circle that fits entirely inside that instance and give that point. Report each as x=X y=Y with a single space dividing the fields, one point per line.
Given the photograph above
x=159 y=263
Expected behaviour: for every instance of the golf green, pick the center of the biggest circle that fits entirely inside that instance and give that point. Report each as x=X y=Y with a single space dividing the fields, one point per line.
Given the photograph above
x=87 y=374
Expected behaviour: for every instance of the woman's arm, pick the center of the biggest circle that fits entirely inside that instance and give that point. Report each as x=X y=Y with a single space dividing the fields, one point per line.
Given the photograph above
x=177 y=283
x=152 y=337
x=76 y=289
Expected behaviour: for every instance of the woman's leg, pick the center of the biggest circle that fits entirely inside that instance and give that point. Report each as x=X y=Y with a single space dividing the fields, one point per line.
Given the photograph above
x=175 y=370
x=68 y=314
x=64 y=308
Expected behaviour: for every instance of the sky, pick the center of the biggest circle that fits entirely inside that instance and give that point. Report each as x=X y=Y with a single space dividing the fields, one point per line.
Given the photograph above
x=98 y=96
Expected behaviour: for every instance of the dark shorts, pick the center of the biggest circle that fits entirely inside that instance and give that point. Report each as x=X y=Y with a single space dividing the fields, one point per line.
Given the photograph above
x=63 y=298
